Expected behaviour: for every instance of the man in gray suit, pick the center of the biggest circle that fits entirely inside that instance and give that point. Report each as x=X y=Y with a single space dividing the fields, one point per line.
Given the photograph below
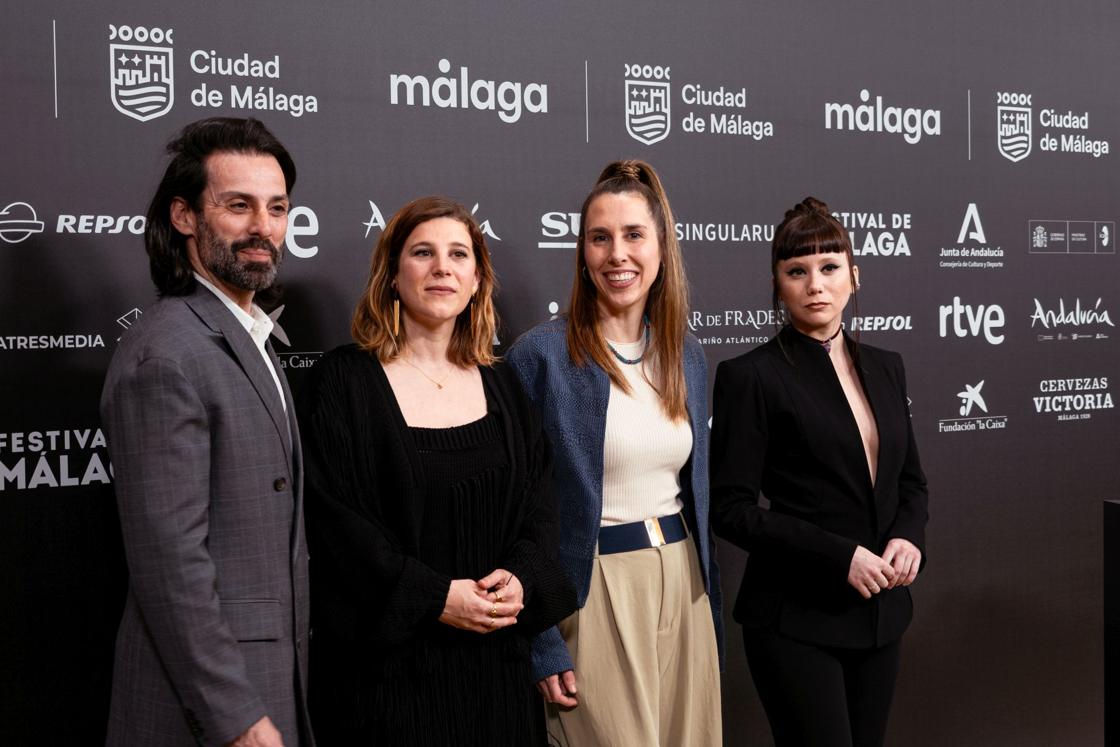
x=212 y=646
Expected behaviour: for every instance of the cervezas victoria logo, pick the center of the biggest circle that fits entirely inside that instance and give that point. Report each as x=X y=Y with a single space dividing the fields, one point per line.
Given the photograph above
x=647 y=103
x=141 y=73
x=1073 y=398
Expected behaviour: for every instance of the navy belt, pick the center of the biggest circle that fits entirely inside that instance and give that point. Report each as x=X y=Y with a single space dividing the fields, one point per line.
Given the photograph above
x=641 y=535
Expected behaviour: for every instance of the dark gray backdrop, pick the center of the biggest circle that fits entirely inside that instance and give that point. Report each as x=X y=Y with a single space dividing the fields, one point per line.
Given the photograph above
x=1006 y=645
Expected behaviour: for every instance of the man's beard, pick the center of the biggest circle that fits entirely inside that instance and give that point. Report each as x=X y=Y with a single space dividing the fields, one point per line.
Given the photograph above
x=220 y=258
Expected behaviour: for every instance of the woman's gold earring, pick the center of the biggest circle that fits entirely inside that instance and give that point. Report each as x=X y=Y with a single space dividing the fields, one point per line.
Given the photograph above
x=396 y=317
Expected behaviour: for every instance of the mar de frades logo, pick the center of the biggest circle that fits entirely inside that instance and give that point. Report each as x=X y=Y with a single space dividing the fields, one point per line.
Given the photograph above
x=1013 y=117
x=647 y=103
x=141 y=73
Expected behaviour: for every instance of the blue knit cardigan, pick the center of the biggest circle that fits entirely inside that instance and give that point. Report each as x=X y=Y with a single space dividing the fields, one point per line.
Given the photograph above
x=573 y=404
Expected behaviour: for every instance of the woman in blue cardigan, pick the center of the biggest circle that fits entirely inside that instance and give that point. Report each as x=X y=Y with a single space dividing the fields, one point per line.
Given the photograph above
x=621 y=386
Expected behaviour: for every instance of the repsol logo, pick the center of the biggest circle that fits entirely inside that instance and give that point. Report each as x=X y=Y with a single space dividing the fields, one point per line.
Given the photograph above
x=508 y=98
x=100 y=224
x=881 y=323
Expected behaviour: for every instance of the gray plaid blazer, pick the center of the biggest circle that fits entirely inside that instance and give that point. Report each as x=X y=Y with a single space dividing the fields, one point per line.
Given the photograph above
x=209 y=485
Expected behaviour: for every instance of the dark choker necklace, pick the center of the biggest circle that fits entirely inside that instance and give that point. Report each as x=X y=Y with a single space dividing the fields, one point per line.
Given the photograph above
x=645 y=348
x=826 y=344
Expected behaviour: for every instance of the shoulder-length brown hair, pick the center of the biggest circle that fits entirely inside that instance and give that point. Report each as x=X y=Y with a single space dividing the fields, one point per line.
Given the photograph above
x=472 y=341
x=666 y=306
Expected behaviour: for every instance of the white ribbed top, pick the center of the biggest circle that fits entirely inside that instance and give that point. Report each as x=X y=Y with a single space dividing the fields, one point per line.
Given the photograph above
x=644 y=451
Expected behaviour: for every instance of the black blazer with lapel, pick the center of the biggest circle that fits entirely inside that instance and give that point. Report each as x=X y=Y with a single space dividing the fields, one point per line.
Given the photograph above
x=783 y=429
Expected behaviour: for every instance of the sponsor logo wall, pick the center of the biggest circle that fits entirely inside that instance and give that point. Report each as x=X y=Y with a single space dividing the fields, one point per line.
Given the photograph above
x=976 y=185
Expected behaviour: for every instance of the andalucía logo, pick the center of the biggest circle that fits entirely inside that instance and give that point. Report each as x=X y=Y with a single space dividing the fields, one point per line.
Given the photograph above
x=1013 y=117
x=141 y=76
x=18 y=222
x=647 y=103
x=376 y=220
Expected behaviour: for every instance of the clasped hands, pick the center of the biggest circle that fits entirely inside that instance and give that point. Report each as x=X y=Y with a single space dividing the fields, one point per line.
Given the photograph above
x=485 y=605
x=869 y=574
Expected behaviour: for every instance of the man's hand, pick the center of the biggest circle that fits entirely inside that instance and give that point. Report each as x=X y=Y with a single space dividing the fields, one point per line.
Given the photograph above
x=260 y=734
x=560 y=689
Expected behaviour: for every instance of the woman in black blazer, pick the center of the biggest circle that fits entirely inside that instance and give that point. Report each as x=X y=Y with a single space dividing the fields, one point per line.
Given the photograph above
x=819 y=424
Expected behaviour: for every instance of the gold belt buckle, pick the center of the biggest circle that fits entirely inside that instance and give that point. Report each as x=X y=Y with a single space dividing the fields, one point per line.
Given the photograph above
x=653 y=529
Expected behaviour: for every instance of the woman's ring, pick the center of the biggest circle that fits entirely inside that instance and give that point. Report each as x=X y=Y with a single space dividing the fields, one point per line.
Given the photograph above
x=493 y=612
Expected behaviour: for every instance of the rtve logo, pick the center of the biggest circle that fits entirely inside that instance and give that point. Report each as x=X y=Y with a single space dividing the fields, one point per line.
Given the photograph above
x=970 y=321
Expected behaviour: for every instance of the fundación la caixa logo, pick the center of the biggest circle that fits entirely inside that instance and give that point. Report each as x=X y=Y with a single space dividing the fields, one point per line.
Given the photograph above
x=972 y=413
x=141 y=73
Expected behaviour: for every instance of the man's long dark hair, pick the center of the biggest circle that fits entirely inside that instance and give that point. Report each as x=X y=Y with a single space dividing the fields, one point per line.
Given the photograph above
x=186 y=178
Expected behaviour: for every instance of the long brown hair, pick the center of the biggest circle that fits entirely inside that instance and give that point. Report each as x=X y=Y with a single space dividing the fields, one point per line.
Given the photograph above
x=186 y=177
x=472 y=341
x=666 y=306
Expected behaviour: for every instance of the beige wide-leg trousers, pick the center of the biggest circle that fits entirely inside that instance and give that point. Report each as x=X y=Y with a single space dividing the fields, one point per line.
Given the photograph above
x=644 y=651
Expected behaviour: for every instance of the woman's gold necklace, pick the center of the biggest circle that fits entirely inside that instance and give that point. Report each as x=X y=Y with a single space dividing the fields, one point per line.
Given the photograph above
x=437 y=382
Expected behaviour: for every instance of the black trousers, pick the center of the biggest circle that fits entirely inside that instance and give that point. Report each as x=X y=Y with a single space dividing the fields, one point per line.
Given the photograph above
x=817 y=696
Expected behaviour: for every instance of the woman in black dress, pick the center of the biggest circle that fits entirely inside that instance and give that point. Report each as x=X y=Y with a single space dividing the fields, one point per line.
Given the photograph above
x=819 y=423
x=428 y=509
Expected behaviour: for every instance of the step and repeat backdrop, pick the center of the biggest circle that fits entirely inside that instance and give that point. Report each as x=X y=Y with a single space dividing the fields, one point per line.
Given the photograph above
x=967 y=147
